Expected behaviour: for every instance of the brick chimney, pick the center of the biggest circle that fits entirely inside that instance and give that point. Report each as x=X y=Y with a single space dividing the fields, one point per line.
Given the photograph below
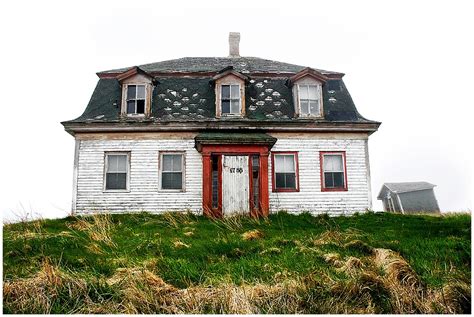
x=234 y=39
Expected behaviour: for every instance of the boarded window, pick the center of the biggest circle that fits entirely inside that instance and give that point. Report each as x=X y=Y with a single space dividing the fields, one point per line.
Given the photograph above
x=285 y=171
x=172 y=171
x=116 y=174
x=333 y=171
x=230 y=99
x=309 y=100
x=136 y=99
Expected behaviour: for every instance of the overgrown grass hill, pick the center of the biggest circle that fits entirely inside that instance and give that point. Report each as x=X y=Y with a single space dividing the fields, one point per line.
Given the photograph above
x=183 y=263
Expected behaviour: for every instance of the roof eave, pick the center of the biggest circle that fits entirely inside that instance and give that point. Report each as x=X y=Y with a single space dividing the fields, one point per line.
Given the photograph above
x=292 y=126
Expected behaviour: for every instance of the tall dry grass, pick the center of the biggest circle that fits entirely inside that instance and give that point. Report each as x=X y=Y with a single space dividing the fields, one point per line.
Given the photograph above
x=381 y=283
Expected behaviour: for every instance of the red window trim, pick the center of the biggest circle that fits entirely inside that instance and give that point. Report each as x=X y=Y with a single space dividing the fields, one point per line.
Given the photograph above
x=321 y=162
x=278 y=190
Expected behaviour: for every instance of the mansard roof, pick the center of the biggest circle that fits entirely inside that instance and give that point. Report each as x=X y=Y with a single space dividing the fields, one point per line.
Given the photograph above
x=183 y=93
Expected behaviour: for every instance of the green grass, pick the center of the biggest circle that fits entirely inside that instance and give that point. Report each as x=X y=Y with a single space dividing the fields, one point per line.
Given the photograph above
x=438 y=248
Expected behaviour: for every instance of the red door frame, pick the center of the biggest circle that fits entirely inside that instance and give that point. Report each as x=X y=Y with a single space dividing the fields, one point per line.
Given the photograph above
x=211 y=149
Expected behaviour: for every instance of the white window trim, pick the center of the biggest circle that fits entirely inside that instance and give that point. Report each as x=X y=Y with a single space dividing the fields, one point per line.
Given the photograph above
x=106 y=162
x=320 y=95
x=238 y=114
x=147 y=99
x=183 y=171
x=136 y=91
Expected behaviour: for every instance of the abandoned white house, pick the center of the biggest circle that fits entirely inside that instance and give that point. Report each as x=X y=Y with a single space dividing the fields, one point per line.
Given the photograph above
x=221 y=135
x=408 y=197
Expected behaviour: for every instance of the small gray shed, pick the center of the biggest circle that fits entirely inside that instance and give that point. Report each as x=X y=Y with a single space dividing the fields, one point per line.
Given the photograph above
x=408 y=197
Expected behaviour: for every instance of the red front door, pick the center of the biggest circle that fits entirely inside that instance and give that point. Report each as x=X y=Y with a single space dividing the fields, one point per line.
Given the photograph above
x=235 y=180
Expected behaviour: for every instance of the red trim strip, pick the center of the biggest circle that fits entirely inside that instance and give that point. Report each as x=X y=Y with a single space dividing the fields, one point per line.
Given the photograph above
x=297 y=181
x=321 y=164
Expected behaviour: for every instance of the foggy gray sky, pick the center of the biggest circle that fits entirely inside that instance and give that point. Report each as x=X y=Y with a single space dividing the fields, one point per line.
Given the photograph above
x=407 y=64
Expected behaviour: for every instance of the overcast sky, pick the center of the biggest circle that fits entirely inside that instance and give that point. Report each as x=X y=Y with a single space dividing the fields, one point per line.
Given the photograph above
x=407 y=64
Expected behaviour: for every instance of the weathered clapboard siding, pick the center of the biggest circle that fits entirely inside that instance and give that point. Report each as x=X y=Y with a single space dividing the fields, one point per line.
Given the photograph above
x=310 y=197
x=144 y=194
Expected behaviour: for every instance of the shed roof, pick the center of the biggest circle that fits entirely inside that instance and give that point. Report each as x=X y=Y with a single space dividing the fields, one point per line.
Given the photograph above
x=404 y=187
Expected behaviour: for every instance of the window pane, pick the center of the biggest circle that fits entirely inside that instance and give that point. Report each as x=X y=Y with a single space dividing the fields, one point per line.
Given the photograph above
x=304 y=107
x=314 y=107
x=131 y=106
x=333 y=163
x=313 y=92
x=167 y=163
x=235 y=106
x=225 y=106
x=225 y=92
x=290 y=180
x=328 y=180
x=279 y=163
x=141 y=106
x=303 y=91
x=171 y=180
x=112 y=163
x=131 y=92
x=177 y=162
x=235 y=92
x=117 y=163
x=116 y=181
x=279 y=180
x=285 y=180
x=289 y=163
x=338 y=179
x=141 y=92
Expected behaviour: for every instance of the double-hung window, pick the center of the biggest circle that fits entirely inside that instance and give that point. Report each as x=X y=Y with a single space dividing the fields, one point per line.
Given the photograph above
x=230 y=100
x=309 y=100
x=117 y=167
x=136 y=95
x=285 y=171
x=172 y=171
x=333 y=171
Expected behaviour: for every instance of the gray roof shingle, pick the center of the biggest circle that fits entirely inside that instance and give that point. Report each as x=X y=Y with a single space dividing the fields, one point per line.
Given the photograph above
x=405 y=187
x=193 y=99
x=214 y=64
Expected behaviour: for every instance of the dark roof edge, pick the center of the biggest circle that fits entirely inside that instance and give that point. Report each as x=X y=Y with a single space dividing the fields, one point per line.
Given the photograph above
x=105 y=75
x=357 y=127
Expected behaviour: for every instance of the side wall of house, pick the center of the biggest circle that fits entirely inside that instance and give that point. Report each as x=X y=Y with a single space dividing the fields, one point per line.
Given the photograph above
x=310 y=197
x=144 y=194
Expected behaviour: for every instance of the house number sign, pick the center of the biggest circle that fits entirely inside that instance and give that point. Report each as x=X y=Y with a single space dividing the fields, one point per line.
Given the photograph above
x=239 y=170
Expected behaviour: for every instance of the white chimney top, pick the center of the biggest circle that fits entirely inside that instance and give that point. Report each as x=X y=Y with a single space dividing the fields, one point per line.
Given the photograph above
x=234 y=39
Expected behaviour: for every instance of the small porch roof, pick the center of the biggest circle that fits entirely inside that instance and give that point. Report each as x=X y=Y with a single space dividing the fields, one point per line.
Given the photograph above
x=226 y=138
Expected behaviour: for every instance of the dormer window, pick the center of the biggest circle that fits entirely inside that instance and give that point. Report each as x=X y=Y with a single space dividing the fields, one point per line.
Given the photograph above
x=230 y=93
x=230 y=100
x=307 y=93
x=309 y=97
x=136 y=97
x=137 y=87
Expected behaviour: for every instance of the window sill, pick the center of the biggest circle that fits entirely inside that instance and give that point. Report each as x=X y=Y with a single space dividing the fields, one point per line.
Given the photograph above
x=172 y=190
x=310 y=116
x=237 y=115
x=285 y=190
x=105 y=191
x=334 y=189
x=135 y=115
